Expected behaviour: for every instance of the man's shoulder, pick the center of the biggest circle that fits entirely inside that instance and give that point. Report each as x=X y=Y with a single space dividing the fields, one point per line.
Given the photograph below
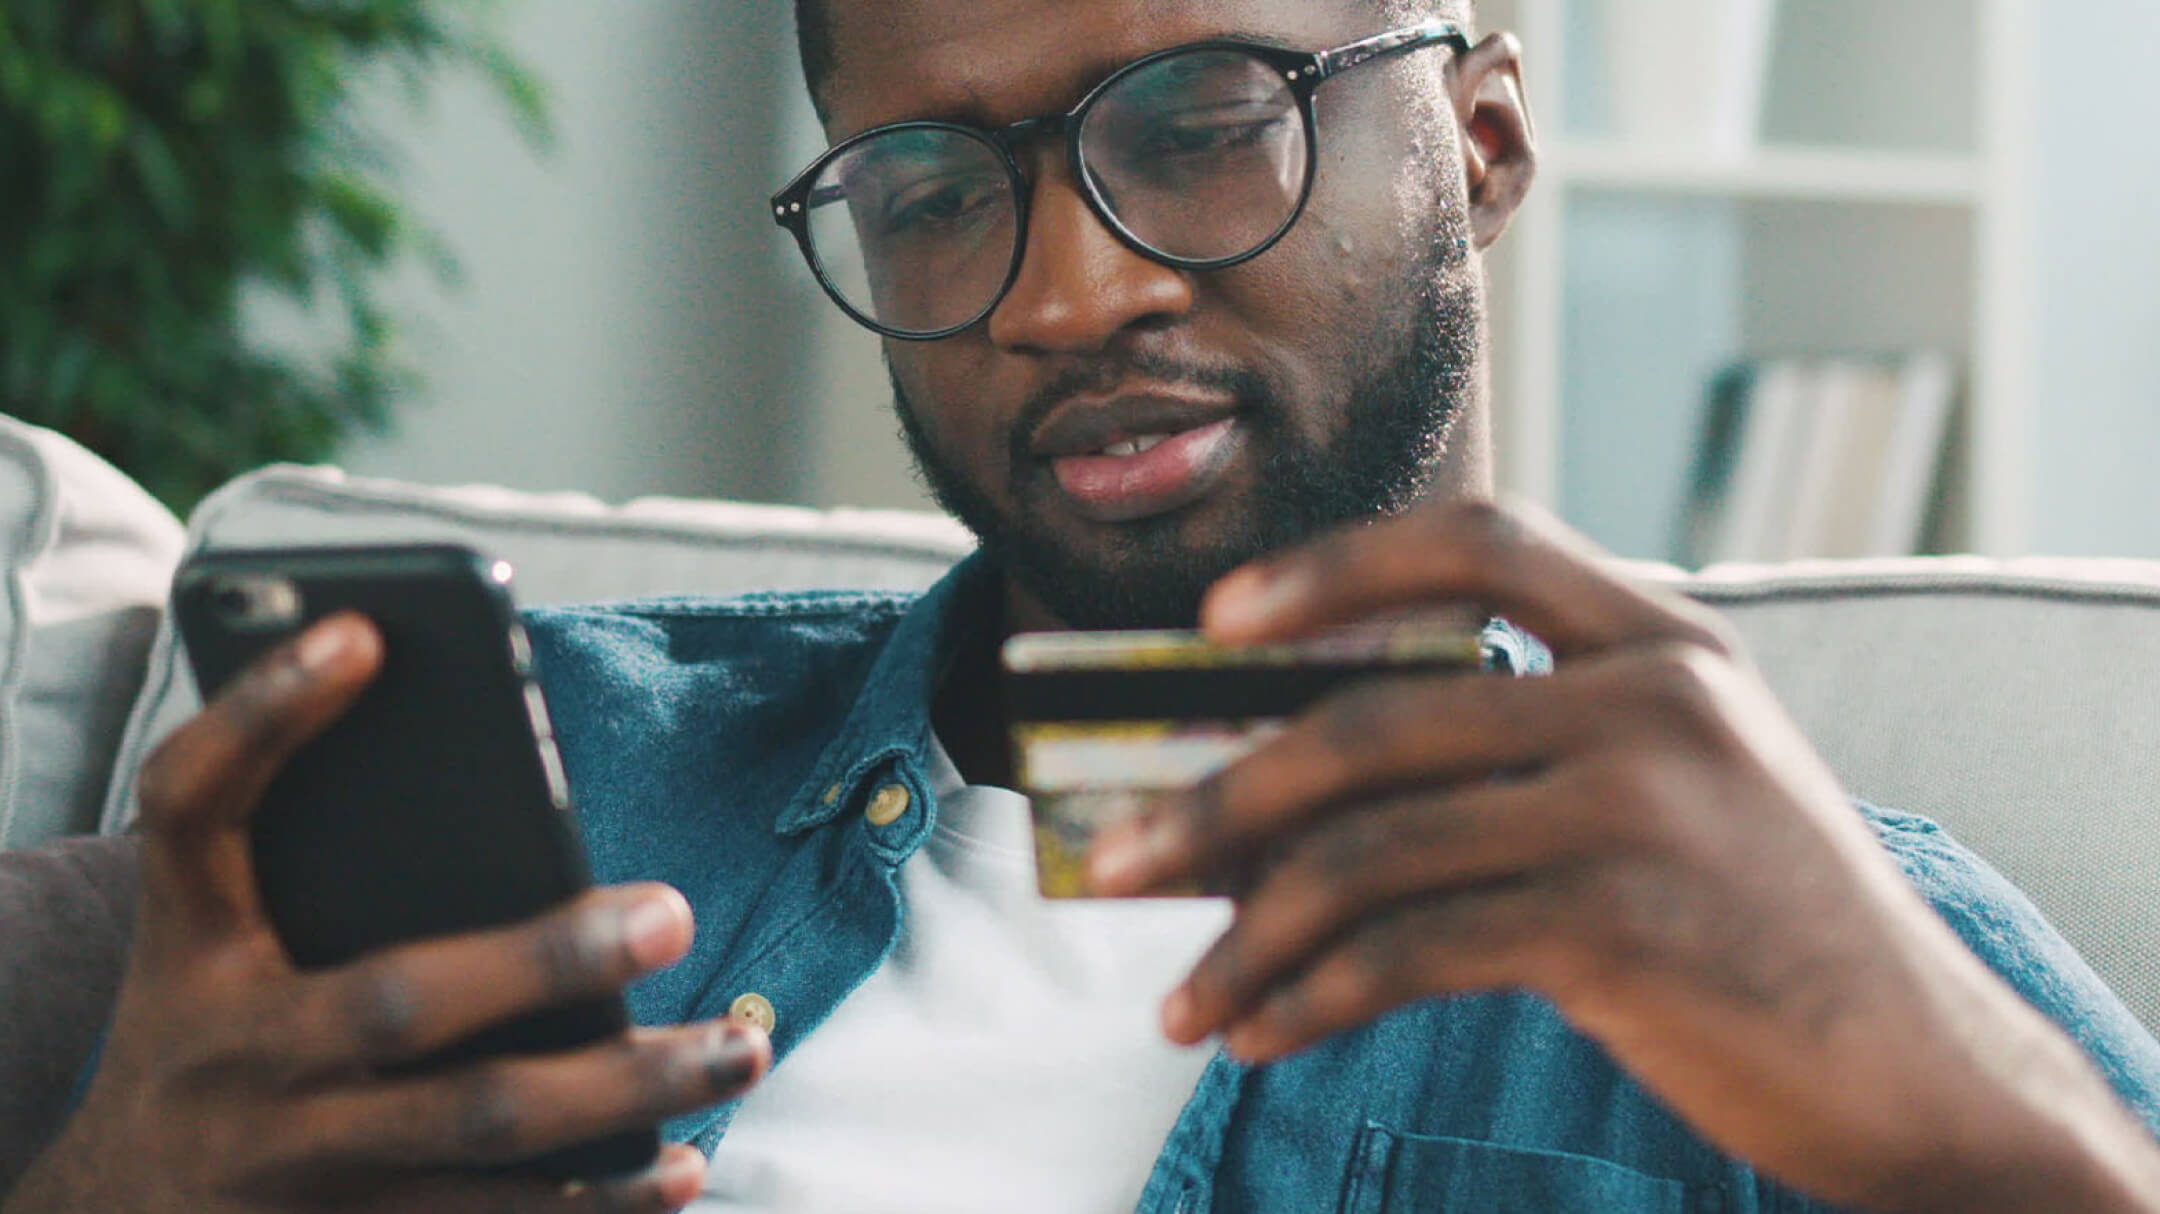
x=2007 y=931
x=764 y=608
x=640 y=644
x=662 y=705
x=738 y=654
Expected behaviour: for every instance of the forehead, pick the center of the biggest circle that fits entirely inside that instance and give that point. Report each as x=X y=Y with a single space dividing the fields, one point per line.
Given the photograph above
x=990 y=62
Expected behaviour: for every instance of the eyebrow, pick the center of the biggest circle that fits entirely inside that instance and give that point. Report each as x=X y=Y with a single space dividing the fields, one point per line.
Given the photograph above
x=975 y=111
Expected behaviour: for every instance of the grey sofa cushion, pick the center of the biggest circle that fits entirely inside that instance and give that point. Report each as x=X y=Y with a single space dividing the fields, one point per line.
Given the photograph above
x=86 y=556
x=66 y=912
x=2014 y=702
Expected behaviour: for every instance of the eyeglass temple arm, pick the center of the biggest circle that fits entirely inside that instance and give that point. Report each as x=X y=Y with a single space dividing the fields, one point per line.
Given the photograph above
x=1394 y=42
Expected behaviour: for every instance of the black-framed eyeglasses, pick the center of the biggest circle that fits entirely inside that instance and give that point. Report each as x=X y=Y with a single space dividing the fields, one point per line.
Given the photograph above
x=1198 y=157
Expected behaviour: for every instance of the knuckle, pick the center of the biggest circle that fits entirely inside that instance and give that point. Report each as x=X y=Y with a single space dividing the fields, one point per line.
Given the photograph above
x=381 y=1011
x=1332 y=556
x=257 y=705
x=1681 y=685
x=1494 y=533
x=663 y=1073
x=1298 y=910
x=1629 y=919
x=1360 y=720
x=1343 y=987
x=1212 y=809
x=1225 y=969
x=308 y=1135
x=485 y=1121
x=572 y=953
x=1709 y=631
x=1352 y=848
x=1274 y=929
x=1641 y=801
x=168 y=777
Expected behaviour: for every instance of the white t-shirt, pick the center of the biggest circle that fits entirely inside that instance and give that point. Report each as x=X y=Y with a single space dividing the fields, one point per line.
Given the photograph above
x=1009 y=1055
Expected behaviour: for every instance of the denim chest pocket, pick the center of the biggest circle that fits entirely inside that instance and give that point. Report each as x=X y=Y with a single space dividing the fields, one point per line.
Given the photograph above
x=1394 y=1173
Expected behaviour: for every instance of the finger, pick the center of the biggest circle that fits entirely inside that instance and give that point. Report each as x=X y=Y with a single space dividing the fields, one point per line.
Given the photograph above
x=1484 y=938
x=202 y=784
x=1359 y=866
x=1522 y=564
x=1360 y=743
x=672 y=1182
x=406 y=1003
x=507 y=1110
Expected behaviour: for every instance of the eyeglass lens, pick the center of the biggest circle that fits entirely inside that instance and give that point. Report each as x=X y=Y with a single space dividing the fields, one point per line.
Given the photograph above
x=1200 y=157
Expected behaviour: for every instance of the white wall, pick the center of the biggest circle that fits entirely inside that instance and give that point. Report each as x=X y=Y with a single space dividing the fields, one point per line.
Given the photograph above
x=627 y=324
x=2096 y=445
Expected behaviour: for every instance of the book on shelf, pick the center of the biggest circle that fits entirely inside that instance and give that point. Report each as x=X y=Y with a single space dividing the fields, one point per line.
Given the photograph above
x=1831 y=456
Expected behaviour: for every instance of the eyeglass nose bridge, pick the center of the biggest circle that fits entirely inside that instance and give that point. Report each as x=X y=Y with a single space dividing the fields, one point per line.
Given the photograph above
x=1062 y=130
x=1016 y=138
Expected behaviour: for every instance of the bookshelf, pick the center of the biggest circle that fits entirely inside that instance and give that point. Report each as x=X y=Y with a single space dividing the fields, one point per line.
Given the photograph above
x=1883 y=206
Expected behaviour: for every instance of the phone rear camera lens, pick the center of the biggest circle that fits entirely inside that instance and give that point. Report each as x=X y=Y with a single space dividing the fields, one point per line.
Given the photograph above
x=254 y=604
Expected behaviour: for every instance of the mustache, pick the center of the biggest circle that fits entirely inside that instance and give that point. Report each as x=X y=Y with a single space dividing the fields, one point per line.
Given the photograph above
x=1104 y=375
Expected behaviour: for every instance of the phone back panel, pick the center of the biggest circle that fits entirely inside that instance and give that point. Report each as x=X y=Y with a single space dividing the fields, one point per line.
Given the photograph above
x=436 y=805
x=428 y=808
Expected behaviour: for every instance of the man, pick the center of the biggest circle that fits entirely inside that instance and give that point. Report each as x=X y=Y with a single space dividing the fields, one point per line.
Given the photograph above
x=1162 y=383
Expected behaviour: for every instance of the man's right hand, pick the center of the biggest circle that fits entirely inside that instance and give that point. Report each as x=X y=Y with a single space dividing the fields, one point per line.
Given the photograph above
x=231 y=1081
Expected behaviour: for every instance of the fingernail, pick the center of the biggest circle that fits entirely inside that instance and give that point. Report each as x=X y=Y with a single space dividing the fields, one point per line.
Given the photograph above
x=1250 y=598
x=1130 y=850
x=1177 y=1014
x=1119 y=854
x=731 y=1056
x=652 y=928
x=679 y=1177
x=324 y=644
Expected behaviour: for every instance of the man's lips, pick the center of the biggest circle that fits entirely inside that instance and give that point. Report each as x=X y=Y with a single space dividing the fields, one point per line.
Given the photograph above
x=1149 y=473
x=1090 y=426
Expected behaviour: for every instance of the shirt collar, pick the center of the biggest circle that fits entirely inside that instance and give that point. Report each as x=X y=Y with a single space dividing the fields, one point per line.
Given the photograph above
x=890 y=722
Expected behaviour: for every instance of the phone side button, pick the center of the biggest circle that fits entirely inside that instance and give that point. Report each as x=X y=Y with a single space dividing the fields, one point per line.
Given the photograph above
x=521 y=655
x=551 y=764
x=536 y=708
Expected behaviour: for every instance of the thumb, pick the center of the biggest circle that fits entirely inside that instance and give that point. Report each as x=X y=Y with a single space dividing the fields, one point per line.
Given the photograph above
x=201 y=786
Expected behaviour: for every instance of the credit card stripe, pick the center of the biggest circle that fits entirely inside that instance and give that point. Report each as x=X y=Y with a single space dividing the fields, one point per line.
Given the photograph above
x=1176 y=694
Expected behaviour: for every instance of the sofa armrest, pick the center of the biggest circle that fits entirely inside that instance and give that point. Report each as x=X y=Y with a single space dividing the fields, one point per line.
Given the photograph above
x=66 y=914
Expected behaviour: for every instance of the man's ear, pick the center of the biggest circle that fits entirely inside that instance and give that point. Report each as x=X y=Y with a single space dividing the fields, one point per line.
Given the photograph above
x=1498 y=137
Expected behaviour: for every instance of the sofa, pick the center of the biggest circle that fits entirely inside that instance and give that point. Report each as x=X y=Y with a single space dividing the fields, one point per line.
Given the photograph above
x=2007 y=700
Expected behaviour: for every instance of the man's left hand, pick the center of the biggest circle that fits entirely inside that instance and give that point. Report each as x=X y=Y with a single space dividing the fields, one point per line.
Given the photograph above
x=1644 y=837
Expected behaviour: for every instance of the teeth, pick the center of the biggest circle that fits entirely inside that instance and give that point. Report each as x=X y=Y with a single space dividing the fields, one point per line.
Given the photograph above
x=1135 y=446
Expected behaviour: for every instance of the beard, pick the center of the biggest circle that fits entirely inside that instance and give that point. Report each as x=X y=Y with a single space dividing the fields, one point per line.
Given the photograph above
x=1400 y=406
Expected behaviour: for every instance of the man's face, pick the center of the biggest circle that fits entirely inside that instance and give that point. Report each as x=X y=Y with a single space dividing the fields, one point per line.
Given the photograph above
x=1121 y=433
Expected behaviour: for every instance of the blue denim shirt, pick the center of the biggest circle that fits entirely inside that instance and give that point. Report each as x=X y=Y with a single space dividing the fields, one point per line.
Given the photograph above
x=730 y=747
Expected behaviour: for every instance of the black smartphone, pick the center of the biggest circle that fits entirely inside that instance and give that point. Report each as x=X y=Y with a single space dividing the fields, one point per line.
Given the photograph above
x=437 y=804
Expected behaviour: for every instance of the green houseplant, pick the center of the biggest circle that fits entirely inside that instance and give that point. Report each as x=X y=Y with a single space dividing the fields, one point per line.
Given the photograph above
x=161 y=160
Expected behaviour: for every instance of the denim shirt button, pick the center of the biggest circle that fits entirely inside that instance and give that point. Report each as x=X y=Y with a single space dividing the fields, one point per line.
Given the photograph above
x=753 y=1008
x=888 y=806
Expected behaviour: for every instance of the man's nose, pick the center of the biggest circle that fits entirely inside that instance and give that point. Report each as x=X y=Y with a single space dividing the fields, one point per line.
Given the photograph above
x=1079 y=285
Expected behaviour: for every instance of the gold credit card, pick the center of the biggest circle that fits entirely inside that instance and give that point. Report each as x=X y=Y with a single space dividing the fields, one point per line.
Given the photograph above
x=1106 y=722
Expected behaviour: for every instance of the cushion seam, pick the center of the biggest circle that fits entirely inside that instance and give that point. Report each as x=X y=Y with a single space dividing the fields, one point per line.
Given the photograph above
x=1924 y=586
x=321 y=497
x=37 y=533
